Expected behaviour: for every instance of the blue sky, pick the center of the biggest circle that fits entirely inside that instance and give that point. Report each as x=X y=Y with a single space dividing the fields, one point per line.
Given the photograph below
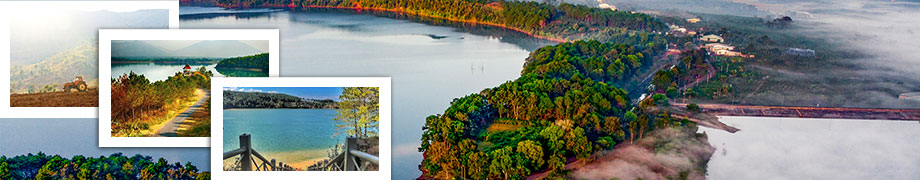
x=304 y=92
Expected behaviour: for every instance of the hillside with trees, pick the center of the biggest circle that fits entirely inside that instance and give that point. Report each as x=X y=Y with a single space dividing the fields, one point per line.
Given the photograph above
x=558 y=21
x=116 y=166
x=240 y=99
x=253 y=62
x=539 y=122
x=50 y=74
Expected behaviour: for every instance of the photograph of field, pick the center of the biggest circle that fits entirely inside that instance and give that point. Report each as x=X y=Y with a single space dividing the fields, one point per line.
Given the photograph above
x=301 y=128
x=161 y=88
x=53 y=51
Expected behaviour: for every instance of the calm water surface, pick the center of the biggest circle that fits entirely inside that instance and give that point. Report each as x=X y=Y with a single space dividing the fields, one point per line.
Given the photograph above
x=793 y=148
x=158 y=72
x=430 y=65
x=281 y=130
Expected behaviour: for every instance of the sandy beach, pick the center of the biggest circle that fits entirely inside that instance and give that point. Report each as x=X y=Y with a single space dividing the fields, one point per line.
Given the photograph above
x=298 y=159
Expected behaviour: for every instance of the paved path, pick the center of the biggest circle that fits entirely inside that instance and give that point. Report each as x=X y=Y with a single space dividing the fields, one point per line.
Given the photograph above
x=171 y=127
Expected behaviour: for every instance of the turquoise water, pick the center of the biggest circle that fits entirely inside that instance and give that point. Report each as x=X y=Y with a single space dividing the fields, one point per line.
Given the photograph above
x=281 y=130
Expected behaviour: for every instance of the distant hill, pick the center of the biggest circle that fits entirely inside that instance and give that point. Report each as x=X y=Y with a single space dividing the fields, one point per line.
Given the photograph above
x=30 y=43
x=137 y=49
x=57 y=69
x=202 y=49
x=239 y=99
x=218 y=49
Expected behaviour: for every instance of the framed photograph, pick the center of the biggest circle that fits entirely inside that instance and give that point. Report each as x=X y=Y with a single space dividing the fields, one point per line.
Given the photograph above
x=291 y=128
x=157 y=88
x=49 y=54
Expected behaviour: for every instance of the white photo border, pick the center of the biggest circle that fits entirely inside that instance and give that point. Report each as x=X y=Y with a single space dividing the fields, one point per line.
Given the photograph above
x=385 y=126
x=6 y=111
x=106 y=36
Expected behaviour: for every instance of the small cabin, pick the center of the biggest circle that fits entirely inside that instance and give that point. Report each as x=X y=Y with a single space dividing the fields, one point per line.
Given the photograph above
x=187 y=70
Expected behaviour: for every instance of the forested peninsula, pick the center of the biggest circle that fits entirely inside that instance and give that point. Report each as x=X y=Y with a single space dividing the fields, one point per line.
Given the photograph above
x=567 y=108
x=559 y=22
x=240 y=99
x=252 y=62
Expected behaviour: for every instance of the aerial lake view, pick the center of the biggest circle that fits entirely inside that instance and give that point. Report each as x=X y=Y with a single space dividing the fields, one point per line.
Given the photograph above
x=516 y=84
x=292 y=136
x=335 y=43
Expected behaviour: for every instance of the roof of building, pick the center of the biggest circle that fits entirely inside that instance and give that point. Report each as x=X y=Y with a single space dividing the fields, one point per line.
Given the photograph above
x=187 y=67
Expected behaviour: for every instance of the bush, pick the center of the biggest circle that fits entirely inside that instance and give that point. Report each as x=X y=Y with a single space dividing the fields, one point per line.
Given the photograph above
x=692 y=107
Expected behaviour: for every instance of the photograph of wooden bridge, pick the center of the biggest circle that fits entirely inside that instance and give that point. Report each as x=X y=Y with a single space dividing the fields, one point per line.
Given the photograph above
x=300 y=129
x=351 y=159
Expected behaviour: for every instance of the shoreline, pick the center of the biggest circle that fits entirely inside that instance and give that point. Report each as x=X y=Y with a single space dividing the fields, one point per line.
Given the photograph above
x=298 y=159
x=558 y=40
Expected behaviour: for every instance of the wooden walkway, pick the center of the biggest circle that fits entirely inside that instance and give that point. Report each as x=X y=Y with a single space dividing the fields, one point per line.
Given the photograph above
x=810 y=112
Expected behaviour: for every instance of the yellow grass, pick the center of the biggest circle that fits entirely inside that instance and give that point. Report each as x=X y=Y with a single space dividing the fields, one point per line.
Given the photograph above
x=172 y=113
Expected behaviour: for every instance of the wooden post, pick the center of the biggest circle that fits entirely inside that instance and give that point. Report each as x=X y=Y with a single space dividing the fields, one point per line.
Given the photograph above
x=351 y=143
x=246 y=157
x=274 y=168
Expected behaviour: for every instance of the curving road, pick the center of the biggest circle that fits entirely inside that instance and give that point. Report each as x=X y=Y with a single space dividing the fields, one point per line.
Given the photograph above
x=171 y=127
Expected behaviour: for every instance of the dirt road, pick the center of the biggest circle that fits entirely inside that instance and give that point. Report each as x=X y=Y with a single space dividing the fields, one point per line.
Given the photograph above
x=90 y=98
x=171 y=127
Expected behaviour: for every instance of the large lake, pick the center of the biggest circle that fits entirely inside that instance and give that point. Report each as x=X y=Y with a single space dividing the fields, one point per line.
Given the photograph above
x=795 y=148
x=288 y=135
x=430 y=65
x=158 y=72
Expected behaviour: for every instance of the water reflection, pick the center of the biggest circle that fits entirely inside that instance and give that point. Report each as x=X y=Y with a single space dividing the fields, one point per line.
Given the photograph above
x=430 y=65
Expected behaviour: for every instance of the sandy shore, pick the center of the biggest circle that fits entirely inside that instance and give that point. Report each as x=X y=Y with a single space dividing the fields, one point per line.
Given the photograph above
x=298 y=159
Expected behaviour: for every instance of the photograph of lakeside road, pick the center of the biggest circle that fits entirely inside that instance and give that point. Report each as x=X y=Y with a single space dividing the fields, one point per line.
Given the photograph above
x=300 y=128
x=160 y=88
x=53 y=50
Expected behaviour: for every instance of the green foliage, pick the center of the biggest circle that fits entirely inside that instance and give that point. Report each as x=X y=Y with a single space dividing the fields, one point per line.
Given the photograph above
x=563 y=21
x=239 y=99
x=116 y=166
x=607 y=62
x=136 y=102
x=693 y=107
x=557 y=113
x=5 y=169
x=359 y=111
x=258 y=61
x=660 y=100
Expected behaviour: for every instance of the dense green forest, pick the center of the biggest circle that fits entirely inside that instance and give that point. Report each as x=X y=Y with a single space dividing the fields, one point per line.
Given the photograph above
x=538 y=122
x=606 y=62
x=138 y=103
x=258 y=61
x=116 y=166
x=560 y=21
x=239 y=99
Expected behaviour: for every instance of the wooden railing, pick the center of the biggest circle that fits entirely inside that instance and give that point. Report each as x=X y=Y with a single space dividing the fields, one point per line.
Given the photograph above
x=247 y=161
x=350 y=159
